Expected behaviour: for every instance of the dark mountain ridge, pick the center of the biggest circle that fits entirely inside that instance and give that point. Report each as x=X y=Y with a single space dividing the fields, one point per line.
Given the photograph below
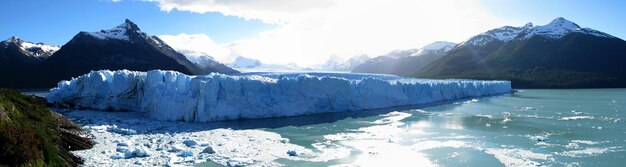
x=556 y=55
x=122 y=47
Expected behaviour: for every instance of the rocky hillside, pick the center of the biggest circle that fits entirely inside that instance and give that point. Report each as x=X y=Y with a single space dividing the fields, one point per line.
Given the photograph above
x=32 y=135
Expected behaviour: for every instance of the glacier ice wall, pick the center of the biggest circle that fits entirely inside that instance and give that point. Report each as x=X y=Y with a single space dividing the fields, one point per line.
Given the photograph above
x=172 y=96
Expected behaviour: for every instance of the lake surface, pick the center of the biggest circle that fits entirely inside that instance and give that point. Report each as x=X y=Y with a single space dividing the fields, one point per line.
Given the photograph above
x=529 y=128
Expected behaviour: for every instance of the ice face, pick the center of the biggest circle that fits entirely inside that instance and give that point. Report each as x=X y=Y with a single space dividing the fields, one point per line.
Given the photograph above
x=173 y=96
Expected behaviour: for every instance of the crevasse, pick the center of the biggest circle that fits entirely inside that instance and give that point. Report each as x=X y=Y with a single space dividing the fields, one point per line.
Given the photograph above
x=173 y=96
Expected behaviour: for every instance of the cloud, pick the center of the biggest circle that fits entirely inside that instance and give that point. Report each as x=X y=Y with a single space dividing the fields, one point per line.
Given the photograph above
x=310 y=31
x=269 y=11
x=197 y=45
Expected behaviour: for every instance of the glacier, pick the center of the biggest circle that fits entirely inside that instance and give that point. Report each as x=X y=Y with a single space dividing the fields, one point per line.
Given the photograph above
x=173 y=96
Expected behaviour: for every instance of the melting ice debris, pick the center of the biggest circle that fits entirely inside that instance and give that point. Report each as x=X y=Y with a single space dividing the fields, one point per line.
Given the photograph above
x=175 y=148
x=173 y=96
x=190 y=143
x=186 y=154
x=117 y=156
x=122 y=143
x=208 y=150
x=122 y=149
x=240 y=162
x=292 y=153
x=138 y=162
x=122 y=131
x=139 y=152
x=264 y=149
x=576 y=118
x=539 y=138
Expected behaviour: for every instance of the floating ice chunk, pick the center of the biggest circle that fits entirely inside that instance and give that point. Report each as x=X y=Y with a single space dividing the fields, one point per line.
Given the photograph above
x=208 y=150
x=140 y=152
x=173 y=96
x=292 y=153
x=117 y=156
x=122 y=143
x=160 y=147
x=122 y=131
x=138 y=162
x=518 y=157
x=175 y=148
x=576 y=118
x=587 y=152
x=190 y=143
x=539 y=138
x=122 y=149
x=239 y=162
x=576 y=112
x=528 y=108
x=186 y=154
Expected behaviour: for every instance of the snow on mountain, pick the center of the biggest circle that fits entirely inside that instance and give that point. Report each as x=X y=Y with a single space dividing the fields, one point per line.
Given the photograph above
x=244 y=62
x=435 y=47
x=197 y=57
x=32 y=49
x=173 y=96
x=439 y=45
x=333 y=63
x=556 y=29
x=504 y=34
x=336 y=63
x=438 y=48
x=396 y=54
x=507 y=33
x=560 y=27
x=356 y=60
x=118 y=32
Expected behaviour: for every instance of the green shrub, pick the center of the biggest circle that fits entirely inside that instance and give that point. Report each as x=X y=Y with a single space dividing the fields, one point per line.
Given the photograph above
x=20 y=145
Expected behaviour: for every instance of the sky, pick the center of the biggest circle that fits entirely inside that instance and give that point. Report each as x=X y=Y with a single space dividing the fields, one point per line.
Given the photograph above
x=306 y=32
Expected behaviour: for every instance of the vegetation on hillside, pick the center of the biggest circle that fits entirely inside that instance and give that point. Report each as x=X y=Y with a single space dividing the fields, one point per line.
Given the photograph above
x=32 y=135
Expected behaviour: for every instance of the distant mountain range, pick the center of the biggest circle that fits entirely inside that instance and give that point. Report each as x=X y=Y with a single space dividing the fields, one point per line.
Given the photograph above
x=404 y=62
x=560 y=54
x=253 y=65
x=32 y=65
x=336 y=63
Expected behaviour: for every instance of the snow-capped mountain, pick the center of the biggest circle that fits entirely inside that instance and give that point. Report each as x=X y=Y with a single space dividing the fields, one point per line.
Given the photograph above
x=18 y=58
x=560 y=27
x=559 y=54
x=122 y=47
x=196 y=57
x=355 y=61
x=244 y=62
x=438 y=47
x=336 y=63
x=556 y=29
x=401 y=62
x=202 y=60
x=37 y=50
x=396 y=54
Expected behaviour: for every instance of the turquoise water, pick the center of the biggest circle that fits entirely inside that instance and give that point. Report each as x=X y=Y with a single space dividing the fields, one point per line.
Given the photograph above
x=528 y=128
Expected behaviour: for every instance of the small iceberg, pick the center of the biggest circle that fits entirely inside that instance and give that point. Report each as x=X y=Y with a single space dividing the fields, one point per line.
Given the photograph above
x=292 y=153
x=190 y=143
x=539 y=138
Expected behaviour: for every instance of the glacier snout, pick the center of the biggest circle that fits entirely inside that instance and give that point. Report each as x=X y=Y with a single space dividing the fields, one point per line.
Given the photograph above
x=173 y=96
